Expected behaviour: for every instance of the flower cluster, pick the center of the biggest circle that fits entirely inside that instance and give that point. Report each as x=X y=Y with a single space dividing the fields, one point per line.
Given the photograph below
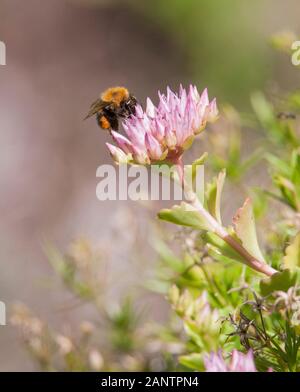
x=239 y=362
x=164 y=132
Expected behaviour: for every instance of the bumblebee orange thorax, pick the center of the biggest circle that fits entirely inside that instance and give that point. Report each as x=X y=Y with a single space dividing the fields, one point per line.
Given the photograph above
x=115 y=95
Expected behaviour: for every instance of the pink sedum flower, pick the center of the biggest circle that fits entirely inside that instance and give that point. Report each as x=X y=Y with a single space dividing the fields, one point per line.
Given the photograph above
x=164 y=132
x=239 y=362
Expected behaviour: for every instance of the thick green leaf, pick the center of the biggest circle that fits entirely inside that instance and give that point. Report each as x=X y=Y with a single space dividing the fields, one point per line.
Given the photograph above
x=281 y=281
x=201 y=160
x=184 y=215
x=213 y=195
x=195 y=178
x=244 y=225
x=192 y=361
x=291 y=259
x=218 y=247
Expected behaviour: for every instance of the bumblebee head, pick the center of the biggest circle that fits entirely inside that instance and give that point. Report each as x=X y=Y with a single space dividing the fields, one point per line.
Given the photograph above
x=115 y=95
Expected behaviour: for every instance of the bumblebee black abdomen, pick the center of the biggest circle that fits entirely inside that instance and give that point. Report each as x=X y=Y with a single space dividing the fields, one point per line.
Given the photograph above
x=107 y=120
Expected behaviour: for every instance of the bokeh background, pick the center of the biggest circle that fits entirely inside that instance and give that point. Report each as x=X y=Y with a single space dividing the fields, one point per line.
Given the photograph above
x=60 y=55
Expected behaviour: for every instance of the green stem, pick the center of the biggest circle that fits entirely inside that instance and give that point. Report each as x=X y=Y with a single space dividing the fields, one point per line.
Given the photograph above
x=218 y=229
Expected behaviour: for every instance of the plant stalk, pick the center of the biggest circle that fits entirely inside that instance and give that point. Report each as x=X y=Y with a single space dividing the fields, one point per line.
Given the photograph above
x=218 y=229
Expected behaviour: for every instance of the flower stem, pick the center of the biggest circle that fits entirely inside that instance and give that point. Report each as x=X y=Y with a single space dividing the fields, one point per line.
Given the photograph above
x=218 y=229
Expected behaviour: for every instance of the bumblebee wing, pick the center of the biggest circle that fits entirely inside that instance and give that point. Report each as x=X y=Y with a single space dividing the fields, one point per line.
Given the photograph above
x=95 y=108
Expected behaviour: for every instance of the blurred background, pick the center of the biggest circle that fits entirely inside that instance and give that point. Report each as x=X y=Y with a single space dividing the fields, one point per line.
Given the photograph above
x=60 y=55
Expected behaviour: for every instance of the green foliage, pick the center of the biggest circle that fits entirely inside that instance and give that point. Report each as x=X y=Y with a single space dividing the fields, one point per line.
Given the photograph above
x=184 y=215
x=123 y=324
x=278 y=131
x=219 y=249
x=213 y=196
x=227 y=151
x=286 y=177
x=209 y=273
x=291 y=259
x=281 y=281
x=192 y=361
x=294 y=100
x=246 y=231
x=70 y=274
x=263 y=324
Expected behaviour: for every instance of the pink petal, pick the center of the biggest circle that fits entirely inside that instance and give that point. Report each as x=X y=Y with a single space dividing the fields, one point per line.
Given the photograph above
x=153 y=147
x=212 y=111
x=170 y=138
x=162 y=103
x=122 y=142
x=158 y=129
x=151 y=109
x=117 y=154
x=204 y=97
x=139 y=111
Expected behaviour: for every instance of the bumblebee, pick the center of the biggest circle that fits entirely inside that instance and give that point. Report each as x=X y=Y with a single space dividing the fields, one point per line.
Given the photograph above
x=286 y=116
x=115 y=102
